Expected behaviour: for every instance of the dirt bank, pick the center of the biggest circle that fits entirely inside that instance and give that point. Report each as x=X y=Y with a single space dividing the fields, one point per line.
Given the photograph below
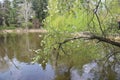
x=24 y=31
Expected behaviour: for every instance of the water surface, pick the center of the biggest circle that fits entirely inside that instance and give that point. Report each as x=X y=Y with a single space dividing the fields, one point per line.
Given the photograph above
x=16 y=54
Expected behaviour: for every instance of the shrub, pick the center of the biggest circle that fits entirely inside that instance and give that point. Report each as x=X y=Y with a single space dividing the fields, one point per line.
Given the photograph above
x=29 y=25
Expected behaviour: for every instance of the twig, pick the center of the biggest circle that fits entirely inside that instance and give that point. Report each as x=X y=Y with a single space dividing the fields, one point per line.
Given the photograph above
x=98 y=19
x=96 y=9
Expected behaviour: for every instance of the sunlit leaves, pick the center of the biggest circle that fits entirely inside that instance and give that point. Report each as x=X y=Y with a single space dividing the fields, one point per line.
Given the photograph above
x=70 y=16
x=114 y=7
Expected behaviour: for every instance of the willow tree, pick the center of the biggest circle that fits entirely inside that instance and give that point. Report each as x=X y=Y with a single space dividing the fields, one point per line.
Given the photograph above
x=71 y=22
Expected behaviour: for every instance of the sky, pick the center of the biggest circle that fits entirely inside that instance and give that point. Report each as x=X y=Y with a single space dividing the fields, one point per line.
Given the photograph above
x=2 y=0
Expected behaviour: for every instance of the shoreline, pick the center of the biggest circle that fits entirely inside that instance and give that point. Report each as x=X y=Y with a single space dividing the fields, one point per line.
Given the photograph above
x=20 y=31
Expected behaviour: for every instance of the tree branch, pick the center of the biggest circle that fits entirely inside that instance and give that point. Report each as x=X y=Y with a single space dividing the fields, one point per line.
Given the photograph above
x=98 y=19
x=91 y=36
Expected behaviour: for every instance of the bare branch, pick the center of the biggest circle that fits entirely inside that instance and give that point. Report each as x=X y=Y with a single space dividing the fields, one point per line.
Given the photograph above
x=98 y=19
x=96 y=9
x=91 y=36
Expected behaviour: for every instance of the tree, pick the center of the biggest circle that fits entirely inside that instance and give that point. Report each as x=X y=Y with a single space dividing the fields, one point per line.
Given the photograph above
x=82 y=19
x=25 y=12
x=14 y=12
x=40 y=7
x=1 y=19
x=5 y=12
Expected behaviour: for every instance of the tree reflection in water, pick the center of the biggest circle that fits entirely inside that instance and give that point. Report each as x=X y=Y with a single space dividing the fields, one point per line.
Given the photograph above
x=73 y=67
x=4 y=64
x=15 y=62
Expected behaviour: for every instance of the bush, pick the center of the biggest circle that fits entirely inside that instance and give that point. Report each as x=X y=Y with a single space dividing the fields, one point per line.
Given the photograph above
x=29 y=25
x=5 y=27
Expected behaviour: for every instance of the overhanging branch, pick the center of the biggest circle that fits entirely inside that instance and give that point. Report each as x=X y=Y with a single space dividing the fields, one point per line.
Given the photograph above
x=91 y=37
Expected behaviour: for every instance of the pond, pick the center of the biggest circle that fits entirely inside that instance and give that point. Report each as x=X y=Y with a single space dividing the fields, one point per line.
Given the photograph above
x=16 y=54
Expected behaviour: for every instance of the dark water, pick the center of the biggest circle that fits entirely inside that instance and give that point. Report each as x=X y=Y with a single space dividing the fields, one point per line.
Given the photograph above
x=16 y=53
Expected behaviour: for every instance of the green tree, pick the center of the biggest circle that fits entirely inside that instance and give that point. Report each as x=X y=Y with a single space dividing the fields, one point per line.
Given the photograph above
x=14 y=12
x=89 y=19
x=40 y=7
x=6 y=12
x=24 y=12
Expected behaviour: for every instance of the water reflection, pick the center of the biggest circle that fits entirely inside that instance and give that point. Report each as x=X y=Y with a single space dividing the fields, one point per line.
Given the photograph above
x=16 y=55
x=16 y=46
x=73 y=69
x=27 y=72
x=4 y=64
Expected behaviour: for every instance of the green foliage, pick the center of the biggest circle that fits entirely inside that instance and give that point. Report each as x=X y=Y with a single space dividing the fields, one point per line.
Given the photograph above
x=78 y=51
x=14 y=12
x=29 y=25
x=40 y=7
x=114 y=7
x=9 y=12
x=71 y=21
x=75 y=16
x=6 y=27
x=69 y=16
x=81 y=53
x=65 y=18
